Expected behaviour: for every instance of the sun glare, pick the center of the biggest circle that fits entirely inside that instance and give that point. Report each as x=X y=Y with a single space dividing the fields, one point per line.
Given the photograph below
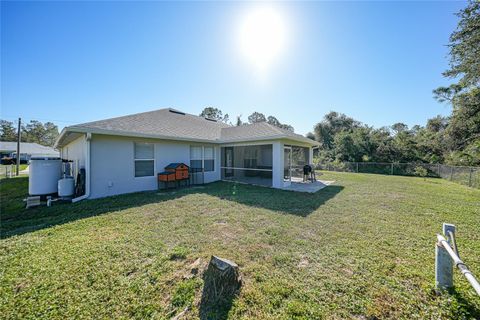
x=263 y=36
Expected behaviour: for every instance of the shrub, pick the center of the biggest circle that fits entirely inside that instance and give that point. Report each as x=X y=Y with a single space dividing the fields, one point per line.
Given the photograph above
x=420 y=172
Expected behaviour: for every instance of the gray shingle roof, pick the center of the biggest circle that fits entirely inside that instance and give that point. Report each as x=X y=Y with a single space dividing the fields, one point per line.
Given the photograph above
x=163 y=122
x=256 y=131
x=172 y=124
x=27 y=147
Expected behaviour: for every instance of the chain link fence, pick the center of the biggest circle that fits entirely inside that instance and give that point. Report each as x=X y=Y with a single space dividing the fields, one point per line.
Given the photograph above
x=469 y=176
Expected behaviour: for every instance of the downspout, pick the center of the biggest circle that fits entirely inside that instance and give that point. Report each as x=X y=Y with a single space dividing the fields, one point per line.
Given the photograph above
x=88 y=137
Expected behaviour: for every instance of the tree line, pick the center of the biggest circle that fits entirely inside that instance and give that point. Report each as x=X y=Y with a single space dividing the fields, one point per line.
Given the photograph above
x=343 y=138
x=255 y=117
x=34 y=131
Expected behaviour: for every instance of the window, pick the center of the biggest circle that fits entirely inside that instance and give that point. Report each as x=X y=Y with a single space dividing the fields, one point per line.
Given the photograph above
x=196 y=157
x=202 y=158
x=209 y=162
x=144 y=159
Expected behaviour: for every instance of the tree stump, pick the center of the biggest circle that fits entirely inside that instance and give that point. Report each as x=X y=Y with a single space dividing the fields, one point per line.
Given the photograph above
x=222 y=282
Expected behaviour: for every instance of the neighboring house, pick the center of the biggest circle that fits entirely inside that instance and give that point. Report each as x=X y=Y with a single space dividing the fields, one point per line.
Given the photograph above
x=27 y=150
x=124 y=154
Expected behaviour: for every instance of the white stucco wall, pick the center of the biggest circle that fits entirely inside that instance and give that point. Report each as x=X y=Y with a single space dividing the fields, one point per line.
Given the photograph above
x=113 y=170
x=75 y=151
x=277 y=167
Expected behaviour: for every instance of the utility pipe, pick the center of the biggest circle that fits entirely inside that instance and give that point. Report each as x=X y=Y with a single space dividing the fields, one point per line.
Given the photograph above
x=459 y=263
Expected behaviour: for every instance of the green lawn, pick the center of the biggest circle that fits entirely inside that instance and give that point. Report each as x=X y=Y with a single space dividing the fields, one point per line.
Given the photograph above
x=362 y=249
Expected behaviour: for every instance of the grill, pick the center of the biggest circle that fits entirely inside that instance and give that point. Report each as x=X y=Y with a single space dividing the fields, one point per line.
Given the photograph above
x=309 y=173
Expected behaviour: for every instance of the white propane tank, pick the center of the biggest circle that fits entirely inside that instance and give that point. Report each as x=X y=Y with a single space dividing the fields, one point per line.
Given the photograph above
x=66 y=187
x=44 y=173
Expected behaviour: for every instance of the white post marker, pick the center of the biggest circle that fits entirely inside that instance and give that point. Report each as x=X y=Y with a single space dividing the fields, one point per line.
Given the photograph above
x=444 y=265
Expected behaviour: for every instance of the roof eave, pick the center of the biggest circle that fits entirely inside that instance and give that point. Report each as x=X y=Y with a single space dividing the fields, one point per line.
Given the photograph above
x=60 y=137
x=274 y=137
x=76 y=129
x=303 y=140
x=126 y=134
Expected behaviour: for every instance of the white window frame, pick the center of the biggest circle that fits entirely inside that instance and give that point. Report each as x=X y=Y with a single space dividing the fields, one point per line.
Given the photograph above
x=213 y=158
x=135 y=160
x=202 y=158
x=196 y=159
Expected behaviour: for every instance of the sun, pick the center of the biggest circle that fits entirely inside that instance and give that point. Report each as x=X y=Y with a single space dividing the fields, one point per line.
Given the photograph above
x=263 y=37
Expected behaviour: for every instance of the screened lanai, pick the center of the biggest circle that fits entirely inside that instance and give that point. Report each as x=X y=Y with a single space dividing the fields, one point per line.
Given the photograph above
x=257 y=164
x=249 y=164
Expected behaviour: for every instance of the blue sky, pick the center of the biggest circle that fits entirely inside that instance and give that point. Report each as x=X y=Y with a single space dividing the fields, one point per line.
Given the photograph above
x=72 y=62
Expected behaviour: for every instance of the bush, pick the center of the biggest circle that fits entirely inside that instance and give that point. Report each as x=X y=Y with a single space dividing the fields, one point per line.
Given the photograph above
x=420 y=171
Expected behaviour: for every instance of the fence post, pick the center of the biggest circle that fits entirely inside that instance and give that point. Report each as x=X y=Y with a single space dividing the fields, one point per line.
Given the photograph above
x=470 y=178
x=438 y=169
x=443 y=262
x=391 y=171
x=357 y=168
x=451 y=173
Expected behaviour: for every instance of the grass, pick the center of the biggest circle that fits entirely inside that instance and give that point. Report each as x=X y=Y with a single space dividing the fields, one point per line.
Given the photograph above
x=362 y=249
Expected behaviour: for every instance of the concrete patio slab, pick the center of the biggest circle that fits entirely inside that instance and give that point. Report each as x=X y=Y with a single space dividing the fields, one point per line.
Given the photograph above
x=311 y=187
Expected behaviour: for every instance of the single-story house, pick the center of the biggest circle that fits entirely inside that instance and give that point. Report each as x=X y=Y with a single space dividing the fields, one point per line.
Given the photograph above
x=125 y=154
x=8 y=149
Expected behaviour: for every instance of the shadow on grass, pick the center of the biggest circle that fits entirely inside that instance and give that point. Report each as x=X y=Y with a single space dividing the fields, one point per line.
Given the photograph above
x=290 y=202
x=16 y=220
x=220 y=289
x=218 y=311
x=464 y=303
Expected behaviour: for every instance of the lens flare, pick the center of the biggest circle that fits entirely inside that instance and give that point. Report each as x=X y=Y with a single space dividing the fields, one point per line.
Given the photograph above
x=263 y=37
